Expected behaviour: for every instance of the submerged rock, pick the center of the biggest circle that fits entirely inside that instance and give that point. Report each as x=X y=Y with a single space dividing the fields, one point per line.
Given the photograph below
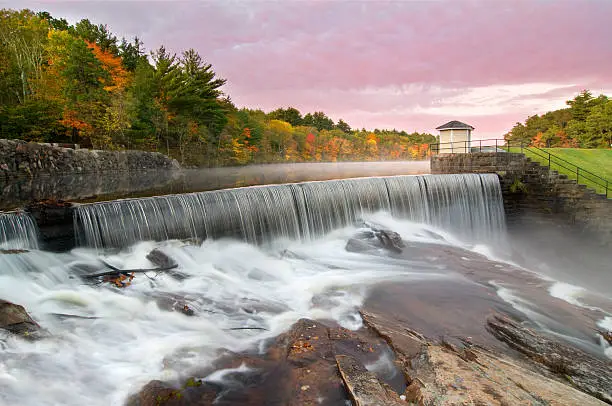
x=15 y=319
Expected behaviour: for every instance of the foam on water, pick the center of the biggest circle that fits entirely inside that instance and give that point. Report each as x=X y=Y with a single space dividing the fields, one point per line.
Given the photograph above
x=129 y=339
x=569 y=293
x=606 y=325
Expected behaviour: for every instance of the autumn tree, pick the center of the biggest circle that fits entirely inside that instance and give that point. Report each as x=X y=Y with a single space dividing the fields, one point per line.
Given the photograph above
x=342 y=126
x=290 y=115
x=22 y=45
x=318 y=120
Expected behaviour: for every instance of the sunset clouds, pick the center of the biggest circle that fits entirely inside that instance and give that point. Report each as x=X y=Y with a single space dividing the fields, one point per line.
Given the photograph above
x=402 y=64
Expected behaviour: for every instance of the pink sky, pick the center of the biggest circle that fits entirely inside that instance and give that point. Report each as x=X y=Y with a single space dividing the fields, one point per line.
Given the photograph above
x=410 y=65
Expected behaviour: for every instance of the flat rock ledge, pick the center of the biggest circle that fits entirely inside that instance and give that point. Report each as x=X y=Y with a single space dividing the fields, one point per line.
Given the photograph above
x=313 y=364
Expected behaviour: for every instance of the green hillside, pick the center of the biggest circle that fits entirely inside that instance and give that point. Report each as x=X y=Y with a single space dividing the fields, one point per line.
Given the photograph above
x=597 y=161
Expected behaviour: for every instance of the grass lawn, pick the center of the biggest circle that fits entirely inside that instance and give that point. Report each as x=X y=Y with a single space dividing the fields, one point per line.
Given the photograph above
x=597 y=161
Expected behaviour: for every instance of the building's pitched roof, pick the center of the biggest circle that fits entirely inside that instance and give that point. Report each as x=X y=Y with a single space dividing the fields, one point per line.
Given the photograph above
x=455 y=125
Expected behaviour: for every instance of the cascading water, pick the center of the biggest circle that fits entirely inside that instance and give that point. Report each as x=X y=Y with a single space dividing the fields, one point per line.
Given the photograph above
x=107 y=342
x=17 y=231
x=468 y=204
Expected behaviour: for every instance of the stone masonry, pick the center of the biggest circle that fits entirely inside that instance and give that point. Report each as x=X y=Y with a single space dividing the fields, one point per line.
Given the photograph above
x=19 y=159
x=532 y=192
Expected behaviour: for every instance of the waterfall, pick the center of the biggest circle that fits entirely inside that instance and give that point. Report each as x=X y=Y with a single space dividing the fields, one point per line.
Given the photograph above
x=468 y=204
x=18 y=231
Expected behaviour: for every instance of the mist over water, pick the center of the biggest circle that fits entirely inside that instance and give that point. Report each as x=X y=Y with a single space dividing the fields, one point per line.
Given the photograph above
x=270 y=256
x=117 y=185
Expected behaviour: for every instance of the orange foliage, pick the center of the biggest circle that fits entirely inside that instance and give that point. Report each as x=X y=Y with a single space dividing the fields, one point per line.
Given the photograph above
x=70 y=119
x=113 y=65
x=565 y=142
x=538 y=140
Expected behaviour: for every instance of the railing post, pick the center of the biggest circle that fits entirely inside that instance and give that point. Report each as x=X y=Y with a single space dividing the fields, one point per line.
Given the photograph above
x=495 y=145
x=521 y=147
x=549 y=160
x=577 y=173
x=480 y=146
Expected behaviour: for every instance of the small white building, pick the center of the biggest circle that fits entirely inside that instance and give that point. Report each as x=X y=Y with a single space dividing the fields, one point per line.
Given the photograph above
x=455 y=137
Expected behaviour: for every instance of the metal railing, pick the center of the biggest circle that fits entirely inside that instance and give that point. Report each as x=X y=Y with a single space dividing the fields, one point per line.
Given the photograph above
x=537 y=154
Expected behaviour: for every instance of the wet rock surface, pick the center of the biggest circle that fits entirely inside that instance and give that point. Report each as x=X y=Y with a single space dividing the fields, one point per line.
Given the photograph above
x=55 y=223
x=365 y=389
x=581 y=370
x=441 y=373
x=15 y=319
x=314 y=364
x=299 y=367
x=374 y=237
x=452 y=342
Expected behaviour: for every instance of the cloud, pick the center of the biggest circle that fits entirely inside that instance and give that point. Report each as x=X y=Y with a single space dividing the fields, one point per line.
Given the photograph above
x=403 y=64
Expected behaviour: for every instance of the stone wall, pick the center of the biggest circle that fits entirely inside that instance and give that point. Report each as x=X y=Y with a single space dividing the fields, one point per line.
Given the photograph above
x=19 y=159
x=534 y=194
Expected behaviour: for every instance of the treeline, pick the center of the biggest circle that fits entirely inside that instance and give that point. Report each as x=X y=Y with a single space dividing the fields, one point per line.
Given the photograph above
x=586 y=123
x=81 y=84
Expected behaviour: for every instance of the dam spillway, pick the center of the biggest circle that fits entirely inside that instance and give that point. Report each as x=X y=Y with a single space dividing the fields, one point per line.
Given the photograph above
x=467 y=204
x=18 y=231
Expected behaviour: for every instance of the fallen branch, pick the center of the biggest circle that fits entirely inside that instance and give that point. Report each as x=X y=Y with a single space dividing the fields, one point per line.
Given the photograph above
x=72 y=316
x=116 y=271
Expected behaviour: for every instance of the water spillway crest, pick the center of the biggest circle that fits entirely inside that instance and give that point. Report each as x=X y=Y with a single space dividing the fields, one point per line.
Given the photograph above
x=17 y=231
x=468 y=204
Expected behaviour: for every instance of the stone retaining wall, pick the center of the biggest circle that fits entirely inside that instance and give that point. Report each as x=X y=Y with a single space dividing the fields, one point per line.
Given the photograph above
x=534 y=193
x=19 y=159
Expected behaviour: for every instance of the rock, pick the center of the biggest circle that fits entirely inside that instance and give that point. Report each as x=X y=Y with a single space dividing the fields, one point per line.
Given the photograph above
x=362 y=385
x=298 y=368
x=356 y=245
x=606 y=335
x=390 y=240
x=55 y=222
x=449 y=375
x=16 y=320
x=373 y=238
x=583 y=371
x=157 y=393
x=161 y=260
